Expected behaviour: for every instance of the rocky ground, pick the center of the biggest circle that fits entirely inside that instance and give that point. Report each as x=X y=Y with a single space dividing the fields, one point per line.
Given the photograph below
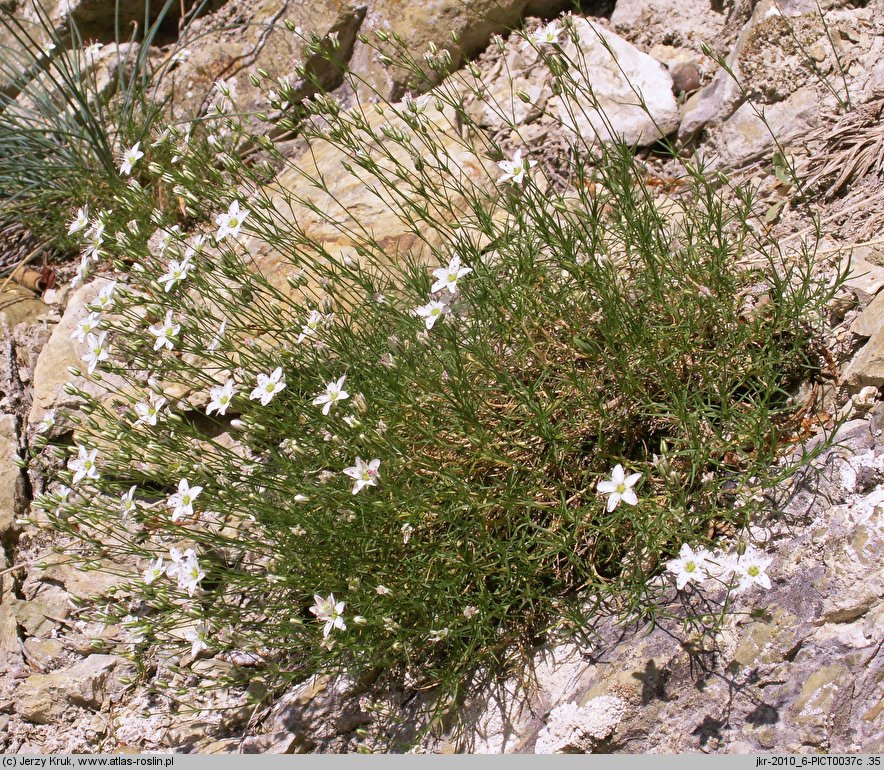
x=798 y=668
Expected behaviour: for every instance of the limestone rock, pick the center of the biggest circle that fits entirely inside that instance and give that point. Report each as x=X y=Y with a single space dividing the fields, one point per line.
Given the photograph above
x=433 y=22
x=766 y=63
x=871 y=320
x=44 y=698
x=614 y=82
x=18 y=305
x=60 y=352
x=13 y=498
x=352 y=206
x=744 y=137
x=572 y=729
x=242 y=37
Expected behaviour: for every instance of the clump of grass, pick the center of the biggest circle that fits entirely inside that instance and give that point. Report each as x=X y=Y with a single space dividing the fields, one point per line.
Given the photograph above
x=444 y=512
x=71 y=114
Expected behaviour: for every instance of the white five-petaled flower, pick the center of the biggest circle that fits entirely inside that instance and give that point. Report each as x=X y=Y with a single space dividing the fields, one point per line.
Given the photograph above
x=198 y=637
x=310 y=328
x=130 y=158
x=165 y=332
x=334 y=392
x=431 y=312
x=514 y=170
x=105 y=299
x=750 y=569
x=182 y=501
x=268 y=386
x=231 y=222
x=86 y=327
x=175 y=273
x=407 y=530
x=447 y=277
x=222 y=395
x=329 y=612
x=547 y=35
x=690 y=566
x=149 y=411
x=365 y=474
x=94 y=239
x=47 y=423
x=80 y=221
x=154 y=571
x=185 y=569
x=95 y=351
x=84 y=464
x=619 y=487
x=127 y=503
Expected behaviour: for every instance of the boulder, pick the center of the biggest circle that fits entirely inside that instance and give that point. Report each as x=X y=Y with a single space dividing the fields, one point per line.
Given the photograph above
x=60 y=352
x=745 y=137
x=13 y=493
x=573 y=729
x=351 y=215
x=620 y=75
x=242 y=37
x=433 y=23
x=44 y=698
x=768 y=63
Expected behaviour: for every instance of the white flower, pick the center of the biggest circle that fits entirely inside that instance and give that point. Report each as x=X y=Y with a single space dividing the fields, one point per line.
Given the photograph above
x=334 y=392
x=268 y=386
x=47 y=422
x=197 y=636
x=619 y=487
x=80 y=221
x=84 y=465
x=165 y=332
x=382 y=591
x=105 y=299
x=751 y=568
x=407 y=530
x=91 y=51
x=231 y=222
x=438 y=635
x=221 y=397
x=181 y=55
x=149 y=411
x=330 y=612
x=447 y=277
x=470 y=611
x=310 y=328
x=190 y=574
x=431 y=312
x=547 y=35
x=689 y=567
x=127 y=504
x=365 y=474
x=182 y=501
x=86 y=326
x=46 y=50
x=95 y=351
x=94 y=239
x=154 y=571
x=175 y=273
x=514 y=170
x=82 y=271
x=130 y=158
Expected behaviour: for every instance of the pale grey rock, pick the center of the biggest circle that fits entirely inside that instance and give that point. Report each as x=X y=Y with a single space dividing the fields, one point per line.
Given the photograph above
x=617 y=84
x=765 y=64
x=871 y=320
x=45 y=698
x=573 y=729
x=746 y=137
x=867 y=367
x=61 y=352
x=13 y=496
